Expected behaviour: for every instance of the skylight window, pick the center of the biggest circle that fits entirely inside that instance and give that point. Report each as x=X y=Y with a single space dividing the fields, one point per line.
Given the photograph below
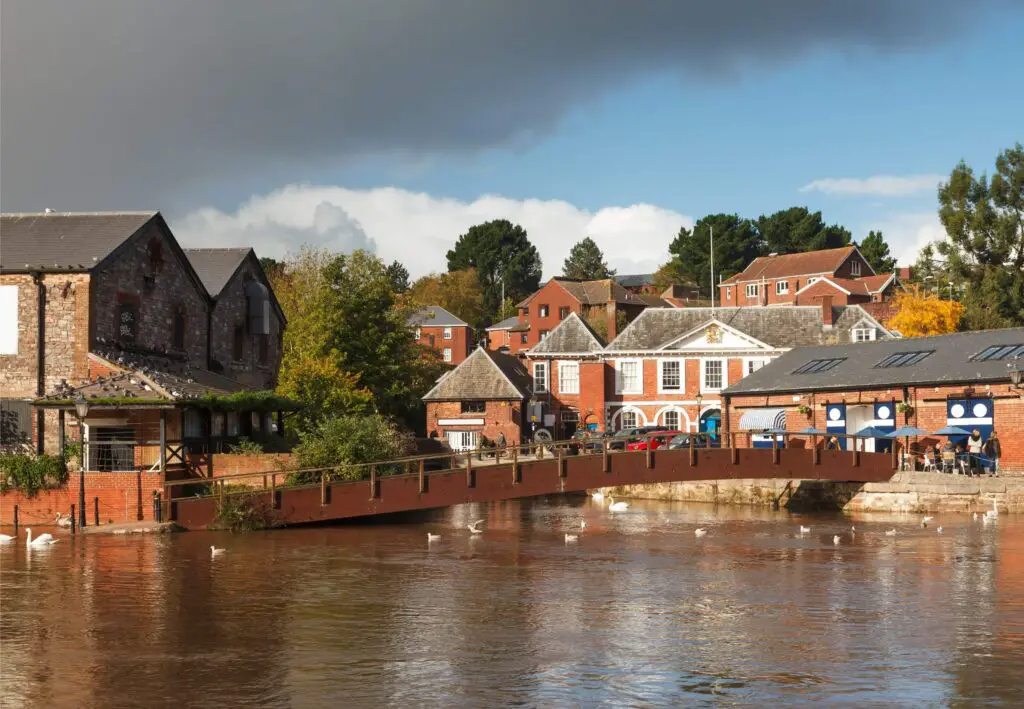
x=903 y=359
x=819 y=365
x=997 y=352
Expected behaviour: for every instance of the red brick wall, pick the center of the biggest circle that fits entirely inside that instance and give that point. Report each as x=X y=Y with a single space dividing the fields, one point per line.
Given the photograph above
x=499 y=417
x=118 y=495
x=460 y=344
x=555 y=297
x=813 y=295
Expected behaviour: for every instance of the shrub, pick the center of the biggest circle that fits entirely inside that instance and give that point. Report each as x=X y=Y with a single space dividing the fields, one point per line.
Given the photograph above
x=30 y=473
x=346 y=441
x=246 y=447
x=244 y=512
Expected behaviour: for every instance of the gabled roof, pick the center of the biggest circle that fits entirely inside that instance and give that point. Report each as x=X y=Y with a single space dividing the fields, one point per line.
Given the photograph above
x=216 y=266
x=949 y=363
x=484 y=375
x=64 y=241
x=869 y=285
x=590 y=292
x=572 y=336
x=506 y=324
x=781 y=326
x=434 y=316
x=798 y=264
x=637 y=280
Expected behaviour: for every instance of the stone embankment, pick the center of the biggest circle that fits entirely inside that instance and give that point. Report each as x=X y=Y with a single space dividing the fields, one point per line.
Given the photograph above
x=905 y=492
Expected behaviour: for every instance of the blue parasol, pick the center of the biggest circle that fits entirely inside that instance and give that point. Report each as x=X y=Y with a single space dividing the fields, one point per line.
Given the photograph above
x=906 y=431
x=812 y=431
x=952 y=431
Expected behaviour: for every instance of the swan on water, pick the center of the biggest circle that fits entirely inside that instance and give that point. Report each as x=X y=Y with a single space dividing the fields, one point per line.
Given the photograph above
x=975 y=516
x=216 y=551
x=583 y=524
x=700 y=532
x=571 y=538
x=614 y=506
x=890 y=532
x=939 y=530
x=805 y=530
x=835 y=540
x=41 y=541
x=927 y=519
x=597 y=496
x=475 y=527
x=853 y=530
x=433 y=537
x=994 y=512
x=6 y=539
x=63 y=521
x=986 y=520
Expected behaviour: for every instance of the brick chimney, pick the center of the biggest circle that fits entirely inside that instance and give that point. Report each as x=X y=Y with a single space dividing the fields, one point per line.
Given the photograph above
x=611 y=312
x=826 y=312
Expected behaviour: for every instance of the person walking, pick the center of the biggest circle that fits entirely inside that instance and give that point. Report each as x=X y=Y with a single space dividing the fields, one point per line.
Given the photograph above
x=974 y=447
x=993 y=451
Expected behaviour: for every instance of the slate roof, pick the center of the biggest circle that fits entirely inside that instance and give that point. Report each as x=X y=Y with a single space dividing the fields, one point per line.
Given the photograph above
x=636 y=280
x=216 y=266
x=572 y=336
x=483 y=375
x=506 y=324
x=781 y=326
x=799 y=264
x=434 y=316
x=65 y=241
x=950 y=363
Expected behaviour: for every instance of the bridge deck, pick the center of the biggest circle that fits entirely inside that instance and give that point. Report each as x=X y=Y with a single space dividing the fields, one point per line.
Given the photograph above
x=529 y=478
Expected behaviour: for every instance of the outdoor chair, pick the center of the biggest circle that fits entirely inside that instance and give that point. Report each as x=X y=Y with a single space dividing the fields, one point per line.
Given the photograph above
x=929 y=463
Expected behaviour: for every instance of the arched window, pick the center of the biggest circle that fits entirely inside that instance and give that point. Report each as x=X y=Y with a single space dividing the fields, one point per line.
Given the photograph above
x=178 y=330
x=257 y=299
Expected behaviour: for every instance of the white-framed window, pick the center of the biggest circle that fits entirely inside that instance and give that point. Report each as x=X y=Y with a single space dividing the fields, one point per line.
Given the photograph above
x=628 y=419
x=713 y=373
x=8 y=320
x=629 y=376
x=540 y=377
x=753 y=364
x=671 y=419
x=781 y=287
x=447 y=333
x=568 y=377
x=543 y=311
x=854 y=268
x=670 y=375
x=446 y=354
x=863 y=334
x=752 y=290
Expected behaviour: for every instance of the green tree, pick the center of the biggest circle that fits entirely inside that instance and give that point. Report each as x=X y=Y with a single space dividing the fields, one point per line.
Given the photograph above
x=737 y=243
x=458 y=292
x=984 y=221
x=798 y=229
x=500 y=252
x=271 y=266
x=347 y=441
x=586 y=262
x=399 y=277
x=876 y=251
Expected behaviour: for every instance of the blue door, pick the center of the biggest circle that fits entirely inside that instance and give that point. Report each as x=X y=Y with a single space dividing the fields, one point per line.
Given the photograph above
x=710 y=423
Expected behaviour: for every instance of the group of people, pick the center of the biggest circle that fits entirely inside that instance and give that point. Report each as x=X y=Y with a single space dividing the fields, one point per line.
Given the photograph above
x=979 y=456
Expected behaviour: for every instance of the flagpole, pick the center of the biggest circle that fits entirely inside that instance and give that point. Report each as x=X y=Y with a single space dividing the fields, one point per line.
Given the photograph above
x=712 y=268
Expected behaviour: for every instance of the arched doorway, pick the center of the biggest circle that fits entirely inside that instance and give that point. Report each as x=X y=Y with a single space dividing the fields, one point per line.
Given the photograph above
x=711 y=422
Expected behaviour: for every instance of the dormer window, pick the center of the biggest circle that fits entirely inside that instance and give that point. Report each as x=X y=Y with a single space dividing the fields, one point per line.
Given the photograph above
x=863 y=334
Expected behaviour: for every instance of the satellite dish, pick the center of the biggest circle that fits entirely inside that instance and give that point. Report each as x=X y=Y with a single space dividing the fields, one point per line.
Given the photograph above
x=542 y=435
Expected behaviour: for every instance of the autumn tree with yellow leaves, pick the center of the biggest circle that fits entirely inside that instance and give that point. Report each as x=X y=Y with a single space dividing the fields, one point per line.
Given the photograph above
x=920 y=315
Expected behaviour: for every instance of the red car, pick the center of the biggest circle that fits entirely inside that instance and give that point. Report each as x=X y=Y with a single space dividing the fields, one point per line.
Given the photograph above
x=659 y=439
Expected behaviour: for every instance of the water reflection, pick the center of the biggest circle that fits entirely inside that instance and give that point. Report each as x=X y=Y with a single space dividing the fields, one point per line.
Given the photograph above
x=639 y=611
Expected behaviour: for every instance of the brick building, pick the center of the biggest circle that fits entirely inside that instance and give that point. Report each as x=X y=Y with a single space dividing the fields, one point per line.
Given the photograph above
x=438 y=329
x=843 y=274
x=481 y=398
x=964 y=380
x=107 y=306
x=637 y=283
x=505 y=335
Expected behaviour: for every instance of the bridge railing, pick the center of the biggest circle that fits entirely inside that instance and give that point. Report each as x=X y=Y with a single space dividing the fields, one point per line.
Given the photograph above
x=423 y=466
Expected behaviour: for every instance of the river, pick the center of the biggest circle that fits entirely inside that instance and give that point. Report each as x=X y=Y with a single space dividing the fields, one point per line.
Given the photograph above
x=638 y=612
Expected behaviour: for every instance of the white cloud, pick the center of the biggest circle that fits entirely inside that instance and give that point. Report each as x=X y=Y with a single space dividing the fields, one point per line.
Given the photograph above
x=907 y=232
x=877 y=185
x=418 y=229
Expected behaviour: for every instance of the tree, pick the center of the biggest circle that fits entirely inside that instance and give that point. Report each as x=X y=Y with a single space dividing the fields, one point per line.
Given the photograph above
x=346 y=441
x=501 y=253
x=271 y=266
x=984 y=249
x=737 y=243
x=922 y=315
x=586 y=262
x=399 y=277
x=598 y=321
x=876 y=251
x=927 y=267
x=798 y=229
x=458 y=292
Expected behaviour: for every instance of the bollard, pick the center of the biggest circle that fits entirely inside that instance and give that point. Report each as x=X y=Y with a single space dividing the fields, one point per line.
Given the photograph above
x=16 y=520
x=74 y=520
x=96 y=511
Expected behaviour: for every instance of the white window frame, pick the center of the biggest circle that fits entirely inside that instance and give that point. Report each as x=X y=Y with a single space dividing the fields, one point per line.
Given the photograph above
x=446 y=354
x=679 y=419
x=446 y=334
x=9 y=320
x=622 y=419
x=639 y=389
x=869 y=337
x=781 y=287
x=704 y=376
x=855 y=267
x=543 y=311
x=662 y=389
x=749 y=362
x=568 y=386
x=753 y=290
x=540 y=377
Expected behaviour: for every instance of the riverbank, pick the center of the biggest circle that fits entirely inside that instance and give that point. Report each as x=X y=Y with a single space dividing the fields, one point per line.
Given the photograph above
x=905 y=492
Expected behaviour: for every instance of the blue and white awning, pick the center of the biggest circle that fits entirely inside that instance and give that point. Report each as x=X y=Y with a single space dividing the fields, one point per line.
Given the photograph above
x=763 y=420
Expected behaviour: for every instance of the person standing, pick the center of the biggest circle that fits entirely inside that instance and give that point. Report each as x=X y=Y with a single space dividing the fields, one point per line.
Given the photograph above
x=993 y=451
x=974 y=447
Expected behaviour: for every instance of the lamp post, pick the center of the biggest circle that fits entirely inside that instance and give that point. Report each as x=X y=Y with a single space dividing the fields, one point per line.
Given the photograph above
x=81 y=411
x=699 y=399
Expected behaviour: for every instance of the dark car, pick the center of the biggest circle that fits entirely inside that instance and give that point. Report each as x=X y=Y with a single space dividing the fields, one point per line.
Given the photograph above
x=700 y=440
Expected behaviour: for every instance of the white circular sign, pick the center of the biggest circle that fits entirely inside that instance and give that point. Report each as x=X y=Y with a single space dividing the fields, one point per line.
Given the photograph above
x=883 y=413
x=834 y=414
x=980 y=410
x=956 y=410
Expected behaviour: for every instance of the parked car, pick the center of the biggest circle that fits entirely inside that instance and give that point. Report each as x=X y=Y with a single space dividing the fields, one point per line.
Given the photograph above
x=700 y=440
x=657 y=440
x=624 y=436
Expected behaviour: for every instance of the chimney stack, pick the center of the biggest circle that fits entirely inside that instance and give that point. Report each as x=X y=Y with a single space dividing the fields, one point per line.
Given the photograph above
x=826 y=312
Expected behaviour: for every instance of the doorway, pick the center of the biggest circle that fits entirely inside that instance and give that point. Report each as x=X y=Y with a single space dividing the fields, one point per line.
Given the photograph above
x=711 y=423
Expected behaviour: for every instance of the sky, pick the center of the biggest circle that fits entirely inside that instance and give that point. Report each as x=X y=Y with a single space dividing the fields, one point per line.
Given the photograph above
x=394 y=126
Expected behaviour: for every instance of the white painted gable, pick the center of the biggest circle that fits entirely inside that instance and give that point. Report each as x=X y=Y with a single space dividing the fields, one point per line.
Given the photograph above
x=715 y=337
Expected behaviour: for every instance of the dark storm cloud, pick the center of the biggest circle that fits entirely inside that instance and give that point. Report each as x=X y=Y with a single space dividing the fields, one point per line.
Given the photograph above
x=114 y=103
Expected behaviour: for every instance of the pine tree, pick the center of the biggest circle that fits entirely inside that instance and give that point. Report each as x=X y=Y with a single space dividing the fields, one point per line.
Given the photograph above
x=586 y=262
x=876 y=251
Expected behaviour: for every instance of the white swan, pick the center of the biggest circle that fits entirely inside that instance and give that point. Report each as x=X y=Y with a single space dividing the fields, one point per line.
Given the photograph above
x=927 y=519
x=475 y=527
x=890 y=532
x=835 y=539
x=614 y=506
x=853 y=530
x=41 y=541
x=987 y=520
x=63 y=521
x=994 y=512
x=569 y=538
x=805 y=530
x=583 y=524
x=939 y=530
x=700 y=532
x=597 y=496
x=6 y=539
x=216 y=551
x=433 y=537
